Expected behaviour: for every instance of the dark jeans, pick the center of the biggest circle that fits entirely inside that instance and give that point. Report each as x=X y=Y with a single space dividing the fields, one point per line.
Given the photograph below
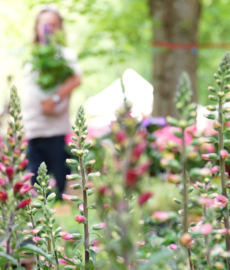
x=52 y=152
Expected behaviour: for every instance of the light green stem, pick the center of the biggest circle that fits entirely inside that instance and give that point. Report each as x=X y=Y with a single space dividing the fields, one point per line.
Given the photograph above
x=185 y=193
x=223 y=180
x=85 y=202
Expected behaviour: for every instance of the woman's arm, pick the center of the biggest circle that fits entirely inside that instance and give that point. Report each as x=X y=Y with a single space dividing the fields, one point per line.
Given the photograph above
x=64 y=90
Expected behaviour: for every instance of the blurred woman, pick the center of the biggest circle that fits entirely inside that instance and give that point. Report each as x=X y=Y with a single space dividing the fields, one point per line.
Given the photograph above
x=46 y=114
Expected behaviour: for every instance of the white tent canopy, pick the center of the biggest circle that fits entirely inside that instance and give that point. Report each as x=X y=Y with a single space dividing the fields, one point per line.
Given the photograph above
x=101 y=108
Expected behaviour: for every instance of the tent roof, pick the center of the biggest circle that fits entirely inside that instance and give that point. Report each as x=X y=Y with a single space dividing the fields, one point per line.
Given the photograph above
x=101 y=108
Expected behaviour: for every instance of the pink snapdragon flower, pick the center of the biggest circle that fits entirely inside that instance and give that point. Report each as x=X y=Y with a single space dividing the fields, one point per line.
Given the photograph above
x=81 y=208
x=80 y=219
x=206 y=229
x=63 y=260
x=214 y=169
x=224 y=154
x=173 y=247
x=205 y=201
x=221 y=201
x=26 y=177
x=68 y=237
x=25 y=188
x=35 y=239
x=160 y=216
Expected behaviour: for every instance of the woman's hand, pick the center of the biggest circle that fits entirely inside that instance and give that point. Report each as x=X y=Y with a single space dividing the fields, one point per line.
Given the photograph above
x=48 y=106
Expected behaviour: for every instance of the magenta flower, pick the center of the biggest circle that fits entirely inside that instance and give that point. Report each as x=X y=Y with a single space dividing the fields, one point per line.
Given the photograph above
x=160 y=216
x=24 y=203
x=206 y=229
x=80 y=219
x=224 y=154
x=144 y=197
x=23 y=164
x=121 y=137
x=9 y=172
x=3 y=196
x=17 y=187
x=138 y=150
x=25 y=188
x=173 y=247
x=26 y=177
x=221 y=201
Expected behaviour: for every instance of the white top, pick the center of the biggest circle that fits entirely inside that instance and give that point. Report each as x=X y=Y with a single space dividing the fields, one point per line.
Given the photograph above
x=36 y=123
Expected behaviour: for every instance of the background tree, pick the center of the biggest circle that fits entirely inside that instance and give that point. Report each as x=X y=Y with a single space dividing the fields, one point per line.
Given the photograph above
x=175 y=21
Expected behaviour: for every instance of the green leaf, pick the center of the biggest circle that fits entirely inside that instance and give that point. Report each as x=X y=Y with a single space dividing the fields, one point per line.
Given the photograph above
x=92 y=254
x=35 y=249
x=7 y=258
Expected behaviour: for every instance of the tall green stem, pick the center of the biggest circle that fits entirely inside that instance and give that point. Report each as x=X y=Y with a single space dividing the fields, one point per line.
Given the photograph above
x=33 y=224
x=206 y=239
x=85 y=201
x=223 y=180
x=185 y=193
x=55 y=251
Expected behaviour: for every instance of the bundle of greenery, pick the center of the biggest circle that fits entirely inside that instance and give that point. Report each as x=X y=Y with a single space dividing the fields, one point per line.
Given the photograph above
x=49 y=63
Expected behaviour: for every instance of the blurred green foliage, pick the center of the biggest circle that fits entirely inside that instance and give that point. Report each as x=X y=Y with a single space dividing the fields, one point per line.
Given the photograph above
x=108 y=36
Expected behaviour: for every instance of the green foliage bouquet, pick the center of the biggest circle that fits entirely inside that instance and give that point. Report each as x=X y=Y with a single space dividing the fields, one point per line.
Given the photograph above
x=49 y=63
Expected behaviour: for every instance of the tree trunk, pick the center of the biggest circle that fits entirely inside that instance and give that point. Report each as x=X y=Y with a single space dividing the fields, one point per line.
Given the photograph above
x=175 y=21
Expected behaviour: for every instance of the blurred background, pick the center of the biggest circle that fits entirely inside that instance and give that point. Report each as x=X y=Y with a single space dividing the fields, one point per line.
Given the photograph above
x=156 y=38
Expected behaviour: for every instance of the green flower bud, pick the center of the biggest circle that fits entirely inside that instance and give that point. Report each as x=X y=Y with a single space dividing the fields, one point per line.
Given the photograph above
x=91 y=176
x=73 y=177
x=76 y=186
x=211 y=108
x=89 y=163
x=212 y=97
x=172 y=121
x=92 y=206
x=226 y=110
x=177 y=201
x=210 y=116
x=51 y=197
x=72 y=145
x=41 y=198
x=77 y=152
x=72 y=162
x=177 y=134
x=221 y=94
x=90 y=191
x=183 y=123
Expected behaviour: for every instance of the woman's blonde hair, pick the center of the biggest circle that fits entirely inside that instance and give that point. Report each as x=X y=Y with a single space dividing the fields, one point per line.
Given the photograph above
x=36 y=37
